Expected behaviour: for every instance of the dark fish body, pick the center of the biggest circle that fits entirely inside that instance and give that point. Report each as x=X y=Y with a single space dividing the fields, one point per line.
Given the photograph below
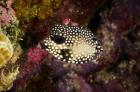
x=72 y=44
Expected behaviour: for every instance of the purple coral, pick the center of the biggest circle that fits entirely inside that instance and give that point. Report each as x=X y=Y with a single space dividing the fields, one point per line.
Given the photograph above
x=73 y=83
x=7 y=14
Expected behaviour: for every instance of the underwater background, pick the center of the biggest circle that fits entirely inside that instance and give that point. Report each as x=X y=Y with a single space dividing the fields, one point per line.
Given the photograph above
x=26 y=66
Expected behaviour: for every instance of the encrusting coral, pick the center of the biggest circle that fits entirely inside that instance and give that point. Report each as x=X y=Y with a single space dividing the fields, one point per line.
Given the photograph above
x=10 y=49
x=7 y=76
x=6 y=49
x=27 y=10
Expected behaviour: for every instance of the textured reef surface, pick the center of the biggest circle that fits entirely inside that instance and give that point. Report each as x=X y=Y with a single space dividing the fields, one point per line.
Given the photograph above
x=70 y=45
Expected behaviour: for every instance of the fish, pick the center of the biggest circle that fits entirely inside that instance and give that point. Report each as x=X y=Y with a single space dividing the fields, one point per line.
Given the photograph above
x=72 y=44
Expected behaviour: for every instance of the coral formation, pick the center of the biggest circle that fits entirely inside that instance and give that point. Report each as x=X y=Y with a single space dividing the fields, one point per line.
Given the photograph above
x=27 y=10
x=6 y=49
x=7 y=76
x=10 y=49
x=7 y=14
x=33 y=60
x=114 y=22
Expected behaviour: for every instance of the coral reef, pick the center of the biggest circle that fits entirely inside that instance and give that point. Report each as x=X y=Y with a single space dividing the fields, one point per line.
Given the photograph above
x=37 y=22
x=10 y=49
x=114 y=22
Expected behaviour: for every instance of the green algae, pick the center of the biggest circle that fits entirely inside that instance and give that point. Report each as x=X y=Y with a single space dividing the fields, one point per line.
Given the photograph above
x=29 y=9
x=13 y=32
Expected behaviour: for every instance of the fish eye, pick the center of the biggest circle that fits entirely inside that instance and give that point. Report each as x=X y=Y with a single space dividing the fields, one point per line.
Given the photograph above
x=58 y=39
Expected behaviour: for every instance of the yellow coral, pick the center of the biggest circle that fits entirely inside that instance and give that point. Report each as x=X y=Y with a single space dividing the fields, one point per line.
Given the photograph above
x=6 y=49
x=7 y=76
x=29 y=9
